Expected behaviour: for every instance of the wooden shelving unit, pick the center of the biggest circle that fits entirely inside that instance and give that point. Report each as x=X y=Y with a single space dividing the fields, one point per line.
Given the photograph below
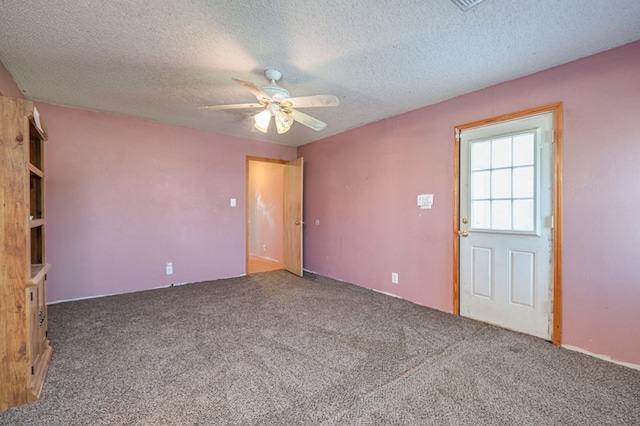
x=25 y=352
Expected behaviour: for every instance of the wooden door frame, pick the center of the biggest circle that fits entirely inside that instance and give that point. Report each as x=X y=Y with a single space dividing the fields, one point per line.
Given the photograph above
x=556 y=109
x=246 y=219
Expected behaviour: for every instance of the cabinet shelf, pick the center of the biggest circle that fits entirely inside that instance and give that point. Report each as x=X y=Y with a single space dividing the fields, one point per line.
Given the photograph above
x=36 y=171
x=34 y=223
x=37 y=273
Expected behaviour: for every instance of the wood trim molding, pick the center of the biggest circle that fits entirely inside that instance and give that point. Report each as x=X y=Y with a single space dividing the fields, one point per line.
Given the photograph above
x=556 y=109
x=456 y=221
x=558 y=130
x=246 y=216
x=514 y=115
x=266 y=160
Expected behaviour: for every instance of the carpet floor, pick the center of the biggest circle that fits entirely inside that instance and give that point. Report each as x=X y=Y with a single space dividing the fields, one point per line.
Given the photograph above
x=273 y=348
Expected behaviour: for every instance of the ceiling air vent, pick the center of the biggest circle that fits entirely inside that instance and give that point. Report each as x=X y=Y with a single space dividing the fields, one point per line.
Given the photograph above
x=466 y=4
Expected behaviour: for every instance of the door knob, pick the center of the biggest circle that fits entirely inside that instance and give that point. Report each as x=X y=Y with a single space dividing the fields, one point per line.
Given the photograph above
x=464 y=233
x=299 y=222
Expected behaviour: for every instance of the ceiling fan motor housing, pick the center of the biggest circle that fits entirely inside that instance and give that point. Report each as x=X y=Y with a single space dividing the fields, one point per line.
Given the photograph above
x=273 y=90
x=276 y=92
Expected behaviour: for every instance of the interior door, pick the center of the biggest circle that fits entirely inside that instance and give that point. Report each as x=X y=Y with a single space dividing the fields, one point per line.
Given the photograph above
x=293 y=182
x=506 y=235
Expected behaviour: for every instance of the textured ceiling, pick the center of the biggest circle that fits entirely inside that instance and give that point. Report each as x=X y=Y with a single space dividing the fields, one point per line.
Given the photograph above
x=161 y=60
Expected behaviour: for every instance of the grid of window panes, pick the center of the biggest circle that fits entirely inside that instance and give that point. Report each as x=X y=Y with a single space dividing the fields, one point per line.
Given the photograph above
x=503 y=183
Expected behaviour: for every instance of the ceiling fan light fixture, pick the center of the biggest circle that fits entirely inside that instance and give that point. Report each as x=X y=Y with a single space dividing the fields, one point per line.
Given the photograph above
x=262 y=121
x=283 y=122
x=278 y=103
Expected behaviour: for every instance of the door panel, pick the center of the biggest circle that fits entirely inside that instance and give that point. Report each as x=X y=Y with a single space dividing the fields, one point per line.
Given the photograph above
x=293 y=188
x=482 y=271
x=522 y=277
x=505 y=247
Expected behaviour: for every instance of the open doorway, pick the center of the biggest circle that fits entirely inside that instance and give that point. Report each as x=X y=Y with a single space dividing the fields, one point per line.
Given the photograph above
x=265 y=215
x=274 y=215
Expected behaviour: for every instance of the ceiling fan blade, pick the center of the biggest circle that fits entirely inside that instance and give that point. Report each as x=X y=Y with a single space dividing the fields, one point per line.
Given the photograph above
x=313 y=101
x=307 y=120
x=232 y=106
x=259 y=94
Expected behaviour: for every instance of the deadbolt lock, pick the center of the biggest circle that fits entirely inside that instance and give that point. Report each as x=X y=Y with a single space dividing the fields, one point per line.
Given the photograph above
x=465 y=220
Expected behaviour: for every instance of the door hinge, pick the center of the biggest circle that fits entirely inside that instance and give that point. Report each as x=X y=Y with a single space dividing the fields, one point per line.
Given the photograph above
x=46 y=334
x=32 y=296
x=548 y=138
x=32 y=370
x=551 y=222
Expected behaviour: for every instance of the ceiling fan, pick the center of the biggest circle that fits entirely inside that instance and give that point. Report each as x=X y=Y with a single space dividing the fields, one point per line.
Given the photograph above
x=277 y=102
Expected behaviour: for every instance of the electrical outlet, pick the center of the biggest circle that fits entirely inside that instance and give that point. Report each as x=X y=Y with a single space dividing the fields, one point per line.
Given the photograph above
x=394 y=278
x=169 y=268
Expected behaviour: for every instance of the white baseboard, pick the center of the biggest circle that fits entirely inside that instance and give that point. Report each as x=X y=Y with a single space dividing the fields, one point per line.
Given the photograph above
x=603 y=357
x=54 y=302
x=388 y=294
x=136 y=291
x=112 y=294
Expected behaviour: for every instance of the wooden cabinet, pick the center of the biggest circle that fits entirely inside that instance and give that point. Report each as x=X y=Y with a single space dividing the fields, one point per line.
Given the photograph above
x=25 y=352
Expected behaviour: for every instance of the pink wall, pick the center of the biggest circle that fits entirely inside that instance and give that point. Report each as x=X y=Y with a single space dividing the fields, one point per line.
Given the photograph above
x=8 y=87
x=362 y=187
x=126 y=196
x=266 y=195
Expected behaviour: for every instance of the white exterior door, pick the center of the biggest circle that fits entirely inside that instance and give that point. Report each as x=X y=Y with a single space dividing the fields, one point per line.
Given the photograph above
x=506 y=207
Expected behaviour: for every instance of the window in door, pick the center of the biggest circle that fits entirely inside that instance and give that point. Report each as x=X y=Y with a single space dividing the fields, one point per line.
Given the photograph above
x=503 y=184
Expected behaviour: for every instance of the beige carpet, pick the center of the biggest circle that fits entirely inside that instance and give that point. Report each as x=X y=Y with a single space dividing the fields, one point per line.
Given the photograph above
x=273 y=349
